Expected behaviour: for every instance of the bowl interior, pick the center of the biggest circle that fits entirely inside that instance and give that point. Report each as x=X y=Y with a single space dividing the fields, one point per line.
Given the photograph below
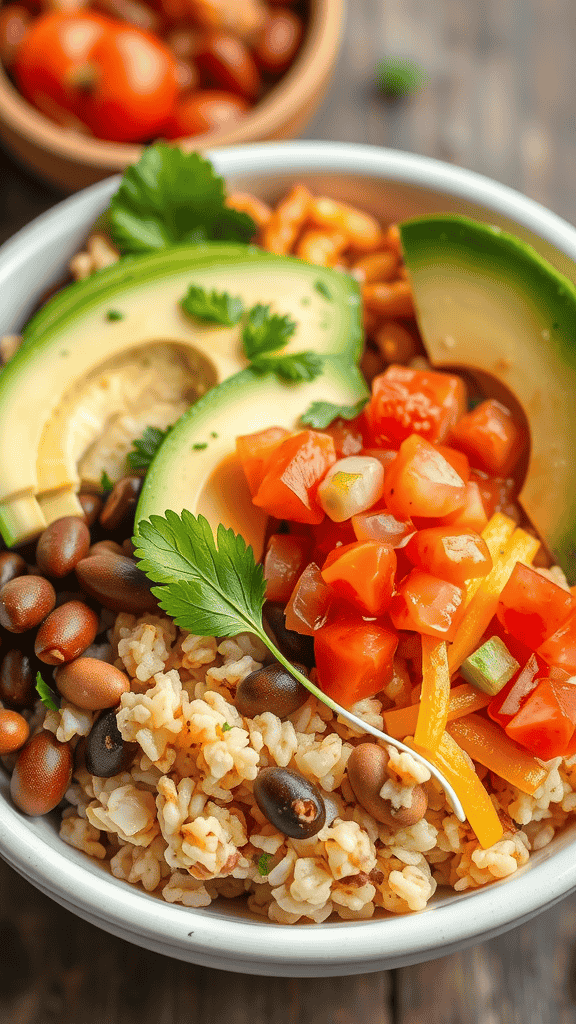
x=392 y=186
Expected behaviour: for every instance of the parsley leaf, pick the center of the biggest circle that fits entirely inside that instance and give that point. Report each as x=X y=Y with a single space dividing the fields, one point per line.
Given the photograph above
x=295 y=368
x=266 y=332
x=47 y=695
x=263 y=863
x=172 y=198
x=212 y=307
x=226 y=727
x=319 y=415
x=145 y=448
x=398 y=76
x=105 y=482
x=323 y=289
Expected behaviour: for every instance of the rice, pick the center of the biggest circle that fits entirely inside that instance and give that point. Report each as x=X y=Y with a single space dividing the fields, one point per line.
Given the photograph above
x=182 y=822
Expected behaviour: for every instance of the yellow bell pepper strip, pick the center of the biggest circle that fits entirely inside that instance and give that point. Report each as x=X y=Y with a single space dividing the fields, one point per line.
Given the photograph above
x=488 y=744
x=435 y=695
x=520 y=548
x=496 y=534
x=401 y=722
x=458 y=769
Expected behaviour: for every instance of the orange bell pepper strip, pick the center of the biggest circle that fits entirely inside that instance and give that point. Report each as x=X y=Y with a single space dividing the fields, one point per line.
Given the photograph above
x=459 y=771
x=486 y=743
x=401 y=722
x=520 y=548
x=435 y=695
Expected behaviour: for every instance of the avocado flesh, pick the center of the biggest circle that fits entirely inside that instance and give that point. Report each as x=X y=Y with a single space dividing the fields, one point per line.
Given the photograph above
x=209 y=480
x=488 y=302
x=71 y=339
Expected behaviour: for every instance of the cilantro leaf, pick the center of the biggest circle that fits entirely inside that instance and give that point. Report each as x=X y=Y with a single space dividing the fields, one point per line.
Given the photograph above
x=319 y=415
x=263 y=863
x=172 y=198
x=105 y=482
x=266 y=332
x=47 y=695
x=398 y=76
x=212 y=307
x=209 y=590
x=295 y=368
x=323 y=289
x=226 y=727
x=145 y=448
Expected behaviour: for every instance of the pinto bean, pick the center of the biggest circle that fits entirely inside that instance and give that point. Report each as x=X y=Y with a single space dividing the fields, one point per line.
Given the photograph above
x=14 y=731
x=66 y=633
x=117 y=582
x=42 y=774
x=103 y=547
x=121 y=502
x=11 y=566
x=24 y=602
x=367 y=772
x=92 y=505
x=91 y=684
x=17 y=680
x=62 y=545
x=390 y=299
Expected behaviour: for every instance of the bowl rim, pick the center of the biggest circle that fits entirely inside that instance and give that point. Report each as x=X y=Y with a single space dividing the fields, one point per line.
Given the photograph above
x=247 y=945
x=304 y=77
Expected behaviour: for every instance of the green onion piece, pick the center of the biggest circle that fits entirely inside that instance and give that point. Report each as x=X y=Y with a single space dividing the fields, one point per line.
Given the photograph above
x=490 y=667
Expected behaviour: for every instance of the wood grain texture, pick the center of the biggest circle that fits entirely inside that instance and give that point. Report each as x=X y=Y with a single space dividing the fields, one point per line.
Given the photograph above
x=500 y=101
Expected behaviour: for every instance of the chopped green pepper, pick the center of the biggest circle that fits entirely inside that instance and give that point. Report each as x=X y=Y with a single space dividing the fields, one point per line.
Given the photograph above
x=490 y=667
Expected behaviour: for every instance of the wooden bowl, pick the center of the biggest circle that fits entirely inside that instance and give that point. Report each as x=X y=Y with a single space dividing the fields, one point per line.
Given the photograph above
x=71 y=161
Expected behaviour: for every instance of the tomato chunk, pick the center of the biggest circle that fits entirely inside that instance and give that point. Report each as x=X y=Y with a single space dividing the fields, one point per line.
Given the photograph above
x=472 y=515
x=458 y=461
x=362 y=573
x=497 y=493
x=255 y=452
x=285 y=559
x=508 y=702
x=380 y=524
x=406 y=401
x=542 y=724
x=310 y=601
x=347 y=436
x=490 y=437
x=354 y=659
x=531 y=607
x=384 y=455
x=560 y=648
x=425 y=604
x=449 y=553
x=288 y=489
x=329 y=535
x=420 y=482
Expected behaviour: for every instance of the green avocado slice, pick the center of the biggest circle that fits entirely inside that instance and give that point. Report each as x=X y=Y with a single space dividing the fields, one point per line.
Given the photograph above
x=196 y=468
x=488 y=302
x=75 y=372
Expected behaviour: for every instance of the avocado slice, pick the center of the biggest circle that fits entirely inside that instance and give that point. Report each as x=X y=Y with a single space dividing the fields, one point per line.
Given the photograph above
x=76 y=370
x=196 y=467
x=488 y=302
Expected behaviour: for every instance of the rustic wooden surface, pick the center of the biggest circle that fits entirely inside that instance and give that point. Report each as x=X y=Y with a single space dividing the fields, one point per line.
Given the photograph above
x=501 y=100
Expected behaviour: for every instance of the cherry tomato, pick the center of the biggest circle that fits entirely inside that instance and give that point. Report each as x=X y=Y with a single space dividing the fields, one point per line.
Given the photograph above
x=204 y=111
x=490 y=437
x=450 y=553
x=227 y=63
x=406 y=401
x=278 y=41
x=118 y=80
x=285 y=561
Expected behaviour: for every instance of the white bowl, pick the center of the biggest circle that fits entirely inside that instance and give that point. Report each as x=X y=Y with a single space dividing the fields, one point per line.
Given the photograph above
x=393 y=186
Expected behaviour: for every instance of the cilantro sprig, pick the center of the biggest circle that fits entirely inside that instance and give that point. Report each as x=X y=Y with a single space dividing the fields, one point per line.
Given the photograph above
x=144 y=448
x=47 y=695
x=264 y=864
x=320 y=415
x=265 y=335
x=106 y=484
x=212 y=307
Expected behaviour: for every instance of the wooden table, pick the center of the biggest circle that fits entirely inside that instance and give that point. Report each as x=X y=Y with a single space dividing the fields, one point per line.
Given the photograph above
x=502 y=101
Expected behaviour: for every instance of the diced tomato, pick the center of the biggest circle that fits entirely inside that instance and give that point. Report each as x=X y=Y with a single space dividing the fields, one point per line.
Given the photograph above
x=531 y=607
x=285 y=559
x=497 y=493
x=490 y=437
x=347 y=436
x=354 y=659
x=508 y=702
x=296 y=468
x=425 y=604
x=406 y=401
x=420 y=482
x=560 y=648
x=449 y=553
x=380 y=524
x=255 y=452
x=309 y=604
x=384 y=455
x=329 y=535
x=516 y=648
x=542 y=724
x=472 y=515
x=362 y=573
x=458 y=461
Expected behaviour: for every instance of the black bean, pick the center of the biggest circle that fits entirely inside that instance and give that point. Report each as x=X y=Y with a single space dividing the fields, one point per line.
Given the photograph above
x=117 y=582
x=62 y=545
x=290 y=802
x=106 y=754
x=121 y=502
x=271 y=688
x=11 y=566
x=17 y=687
x=24 y=602
x=294 y=646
